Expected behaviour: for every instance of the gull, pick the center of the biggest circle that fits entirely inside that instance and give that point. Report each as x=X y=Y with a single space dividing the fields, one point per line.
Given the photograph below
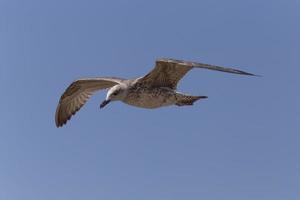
x=154 y=90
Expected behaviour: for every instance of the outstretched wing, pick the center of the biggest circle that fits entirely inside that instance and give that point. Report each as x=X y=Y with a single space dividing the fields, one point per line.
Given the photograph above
x=78 y=93
x=168 y=72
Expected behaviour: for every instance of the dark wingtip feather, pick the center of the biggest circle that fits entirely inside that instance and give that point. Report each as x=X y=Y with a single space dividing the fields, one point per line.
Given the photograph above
x=247 y=73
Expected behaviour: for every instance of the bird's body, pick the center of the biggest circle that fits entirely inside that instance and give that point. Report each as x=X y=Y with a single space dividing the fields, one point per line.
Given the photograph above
x=157 y=97
x=144 y=97
x=156 y=89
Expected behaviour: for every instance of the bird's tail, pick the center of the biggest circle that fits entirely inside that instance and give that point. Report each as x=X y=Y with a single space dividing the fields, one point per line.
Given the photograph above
x=187 y=100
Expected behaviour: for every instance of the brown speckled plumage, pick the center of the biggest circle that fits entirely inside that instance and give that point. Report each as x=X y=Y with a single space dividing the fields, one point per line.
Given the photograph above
x=154 y=90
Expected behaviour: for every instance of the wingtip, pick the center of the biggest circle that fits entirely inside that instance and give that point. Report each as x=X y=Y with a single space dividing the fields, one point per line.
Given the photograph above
x=59 y=121
x=57 y=116
x=58 y=125
x=250 y=74
x=244 y=73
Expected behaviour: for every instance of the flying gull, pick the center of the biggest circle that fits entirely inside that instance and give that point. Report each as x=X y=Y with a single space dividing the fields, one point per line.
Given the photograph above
x=156 y=89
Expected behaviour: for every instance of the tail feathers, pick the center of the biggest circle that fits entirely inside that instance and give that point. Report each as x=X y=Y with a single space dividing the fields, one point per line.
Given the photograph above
x=189 y=100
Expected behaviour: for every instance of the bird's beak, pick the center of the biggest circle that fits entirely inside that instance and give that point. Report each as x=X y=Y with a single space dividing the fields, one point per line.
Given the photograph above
x=104 y=103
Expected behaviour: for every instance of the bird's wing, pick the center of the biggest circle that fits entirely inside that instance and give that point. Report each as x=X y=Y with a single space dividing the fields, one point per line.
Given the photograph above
x=78 y=93
x=168 y=72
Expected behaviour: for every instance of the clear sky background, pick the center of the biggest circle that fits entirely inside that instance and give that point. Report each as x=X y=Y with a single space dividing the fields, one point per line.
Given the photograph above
x=243 y=142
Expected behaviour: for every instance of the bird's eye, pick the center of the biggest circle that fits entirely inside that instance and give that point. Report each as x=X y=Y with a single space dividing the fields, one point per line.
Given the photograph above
x=115 y=93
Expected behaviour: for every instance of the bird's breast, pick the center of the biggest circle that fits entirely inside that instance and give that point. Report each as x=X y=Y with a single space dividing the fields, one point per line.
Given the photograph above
x=150 y=97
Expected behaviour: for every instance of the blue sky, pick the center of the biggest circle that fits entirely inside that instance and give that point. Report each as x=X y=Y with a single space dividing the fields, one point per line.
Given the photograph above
x=240 y=143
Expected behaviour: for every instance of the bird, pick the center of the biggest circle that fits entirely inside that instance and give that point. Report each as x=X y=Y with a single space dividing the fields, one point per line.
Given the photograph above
x=156 y=89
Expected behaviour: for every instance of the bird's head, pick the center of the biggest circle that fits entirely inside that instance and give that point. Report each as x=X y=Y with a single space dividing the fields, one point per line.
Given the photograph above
x=117 y=92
